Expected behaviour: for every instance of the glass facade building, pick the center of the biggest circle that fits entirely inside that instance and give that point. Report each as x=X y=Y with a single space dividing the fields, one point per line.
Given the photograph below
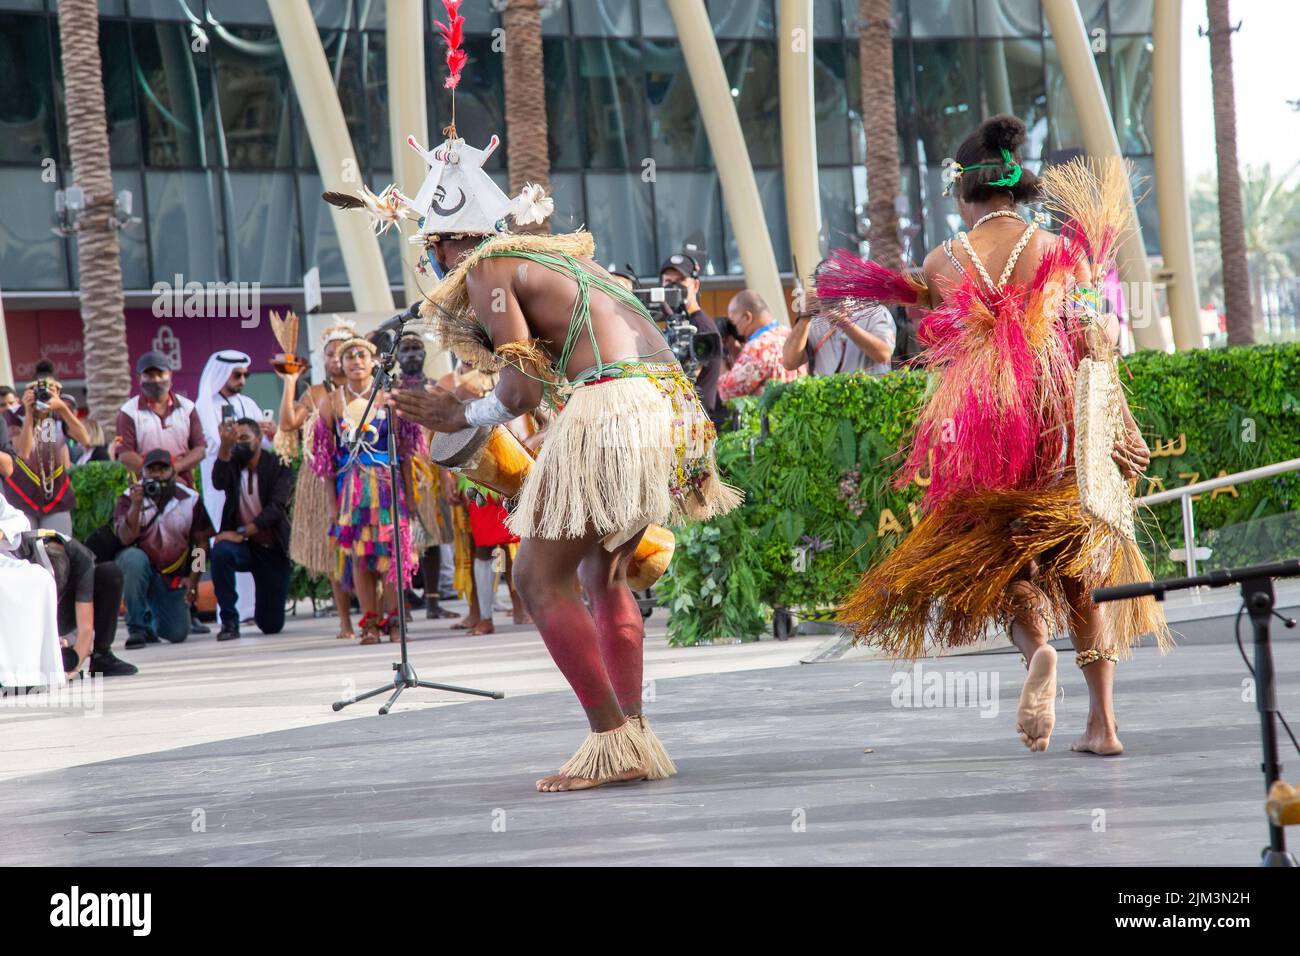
x=206 y=132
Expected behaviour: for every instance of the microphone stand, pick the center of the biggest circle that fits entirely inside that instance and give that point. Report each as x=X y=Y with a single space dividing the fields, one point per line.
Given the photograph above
x=404 y=675
x=1256 y=583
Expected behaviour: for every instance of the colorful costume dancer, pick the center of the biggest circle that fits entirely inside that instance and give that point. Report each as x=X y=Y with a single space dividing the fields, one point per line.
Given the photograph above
x=1003 y=537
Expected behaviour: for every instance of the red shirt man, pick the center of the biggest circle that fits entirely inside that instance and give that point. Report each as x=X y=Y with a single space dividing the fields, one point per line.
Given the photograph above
x=157 y=418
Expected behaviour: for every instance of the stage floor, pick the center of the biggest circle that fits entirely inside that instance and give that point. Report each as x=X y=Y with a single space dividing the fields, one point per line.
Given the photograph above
x=773 y=770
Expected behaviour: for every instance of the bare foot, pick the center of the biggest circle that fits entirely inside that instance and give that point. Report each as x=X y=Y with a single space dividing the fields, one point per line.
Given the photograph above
x=521 y=616
x=1099 y=739
x=1036 y=714
x=347 y=635
x=466 y=623
x=482 y=627
x=559 y=783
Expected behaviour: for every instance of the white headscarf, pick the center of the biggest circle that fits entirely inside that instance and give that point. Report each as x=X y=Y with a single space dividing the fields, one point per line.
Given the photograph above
x=214 y=378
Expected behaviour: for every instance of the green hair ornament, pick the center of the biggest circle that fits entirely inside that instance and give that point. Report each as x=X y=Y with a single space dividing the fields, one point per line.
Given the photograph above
x=953 y=170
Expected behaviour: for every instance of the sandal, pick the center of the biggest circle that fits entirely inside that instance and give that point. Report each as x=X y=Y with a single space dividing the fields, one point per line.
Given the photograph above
x=369 y=628
x=391 y=625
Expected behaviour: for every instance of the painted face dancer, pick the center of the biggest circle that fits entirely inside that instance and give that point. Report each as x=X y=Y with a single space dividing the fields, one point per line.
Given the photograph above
x=432 y=526
x=1004 y=538
x=309 y=543
x=350 y=452
x=632 y=445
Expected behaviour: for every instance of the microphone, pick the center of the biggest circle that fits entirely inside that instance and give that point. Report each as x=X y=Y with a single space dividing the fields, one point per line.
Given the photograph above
x=391 y=329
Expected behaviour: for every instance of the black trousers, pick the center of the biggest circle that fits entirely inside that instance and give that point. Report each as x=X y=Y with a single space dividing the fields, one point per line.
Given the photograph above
x=108 y=601
x=271 y=570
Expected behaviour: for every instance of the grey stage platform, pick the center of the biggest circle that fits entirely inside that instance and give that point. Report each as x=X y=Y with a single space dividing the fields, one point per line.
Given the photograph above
x=773 y=771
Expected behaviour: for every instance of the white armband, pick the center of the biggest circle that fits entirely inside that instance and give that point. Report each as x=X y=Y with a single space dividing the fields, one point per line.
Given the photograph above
x=488 y=410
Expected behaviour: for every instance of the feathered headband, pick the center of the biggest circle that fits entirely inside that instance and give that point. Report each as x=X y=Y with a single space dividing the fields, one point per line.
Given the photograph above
x=338 y=333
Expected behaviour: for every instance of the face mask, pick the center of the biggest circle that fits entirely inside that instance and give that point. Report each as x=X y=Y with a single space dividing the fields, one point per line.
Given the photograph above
x=153 y=389
x=241 y=453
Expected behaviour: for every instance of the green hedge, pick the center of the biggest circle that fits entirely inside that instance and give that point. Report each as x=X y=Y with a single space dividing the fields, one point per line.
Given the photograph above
x=820 y=476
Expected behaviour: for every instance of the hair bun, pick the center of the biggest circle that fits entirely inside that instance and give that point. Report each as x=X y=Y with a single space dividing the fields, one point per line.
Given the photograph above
x=1002 y=132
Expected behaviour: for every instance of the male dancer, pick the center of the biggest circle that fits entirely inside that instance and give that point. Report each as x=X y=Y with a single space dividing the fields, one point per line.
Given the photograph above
x=432 y=523
x=632 y=446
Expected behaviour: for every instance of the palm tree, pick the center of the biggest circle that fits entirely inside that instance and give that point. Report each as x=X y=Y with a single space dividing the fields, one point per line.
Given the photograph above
x=99 y=270
x=527 y=151
x=876 y=65
x=1271 y=214
x=1232 y=229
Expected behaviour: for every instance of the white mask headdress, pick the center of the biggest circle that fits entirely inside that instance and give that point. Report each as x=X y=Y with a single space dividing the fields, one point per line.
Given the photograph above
x=458 y=197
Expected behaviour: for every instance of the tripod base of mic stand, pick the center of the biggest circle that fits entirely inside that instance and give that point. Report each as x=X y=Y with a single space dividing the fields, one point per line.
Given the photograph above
x=1271 y=858
x=404 y=676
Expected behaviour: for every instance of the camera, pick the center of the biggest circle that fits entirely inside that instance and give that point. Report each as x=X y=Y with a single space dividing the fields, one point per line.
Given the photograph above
x=692 y=347
x=661 y=299
x=153 y=487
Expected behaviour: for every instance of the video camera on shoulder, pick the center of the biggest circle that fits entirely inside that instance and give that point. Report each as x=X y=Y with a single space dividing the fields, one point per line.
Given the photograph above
x=661 y=300
x=692 y=347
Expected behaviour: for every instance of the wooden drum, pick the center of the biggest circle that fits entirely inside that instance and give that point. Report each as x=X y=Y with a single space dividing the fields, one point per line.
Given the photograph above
x=495 y=459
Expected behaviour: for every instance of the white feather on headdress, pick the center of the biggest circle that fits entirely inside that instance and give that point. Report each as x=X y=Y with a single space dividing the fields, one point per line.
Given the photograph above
x=532 y=205
x=338 y=333
x=386 y=210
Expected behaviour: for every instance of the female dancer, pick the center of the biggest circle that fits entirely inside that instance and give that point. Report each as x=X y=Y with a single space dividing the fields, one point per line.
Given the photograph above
x=1003 y=538
x=309 y=542
x=353 y=453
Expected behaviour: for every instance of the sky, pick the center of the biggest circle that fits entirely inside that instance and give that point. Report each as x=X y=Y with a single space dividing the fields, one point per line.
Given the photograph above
x=1264 y=52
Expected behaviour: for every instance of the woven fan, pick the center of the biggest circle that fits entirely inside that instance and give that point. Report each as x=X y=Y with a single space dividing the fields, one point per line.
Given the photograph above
x=1098 y=423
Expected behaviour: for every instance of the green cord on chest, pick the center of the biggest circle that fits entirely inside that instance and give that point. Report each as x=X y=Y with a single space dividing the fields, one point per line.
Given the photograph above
x=580 y=318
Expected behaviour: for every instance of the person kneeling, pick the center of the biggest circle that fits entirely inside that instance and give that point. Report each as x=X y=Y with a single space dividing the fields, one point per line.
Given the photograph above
x=160 y=524
x=254 y=527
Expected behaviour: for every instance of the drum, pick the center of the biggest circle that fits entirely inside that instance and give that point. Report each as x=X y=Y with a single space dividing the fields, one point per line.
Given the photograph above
x=651 y=559
x=494 y=458
x=490 y=456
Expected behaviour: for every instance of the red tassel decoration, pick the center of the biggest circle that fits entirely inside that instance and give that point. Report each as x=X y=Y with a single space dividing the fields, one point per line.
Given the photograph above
x=453 y=32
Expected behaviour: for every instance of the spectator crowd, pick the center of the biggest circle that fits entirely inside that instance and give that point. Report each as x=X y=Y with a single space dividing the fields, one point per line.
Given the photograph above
x=212 y=488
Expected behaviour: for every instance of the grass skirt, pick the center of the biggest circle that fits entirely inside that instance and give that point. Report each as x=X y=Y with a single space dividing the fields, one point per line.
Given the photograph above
x=949 y=577
x=309 y=535
x=623 y=454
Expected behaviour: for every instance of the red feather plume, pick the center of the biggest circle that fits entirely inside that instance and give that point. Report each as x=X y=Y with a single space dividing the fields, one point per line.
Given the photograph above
x=453 y=33
x=847 y=276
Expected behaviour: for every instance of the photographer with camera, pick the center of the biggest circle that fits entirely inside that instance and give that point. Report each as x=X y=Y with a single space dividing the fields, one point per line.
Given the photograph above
x=40 y=485
x=760 y=359
x=690 y=330
x=160 y=523
x=841 y=337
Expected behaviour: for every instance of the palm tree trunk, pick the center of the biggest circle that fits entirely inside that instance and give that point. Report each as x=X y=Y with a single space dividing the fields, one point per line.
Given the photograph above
x=527 y=151
x=99 y=270
x=1232 y=228
x=884 y=182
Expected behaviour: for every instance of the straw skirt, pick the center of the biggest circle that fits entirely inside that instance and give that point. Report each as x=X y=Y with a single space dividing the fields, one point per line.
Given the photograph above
x=623 y=454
